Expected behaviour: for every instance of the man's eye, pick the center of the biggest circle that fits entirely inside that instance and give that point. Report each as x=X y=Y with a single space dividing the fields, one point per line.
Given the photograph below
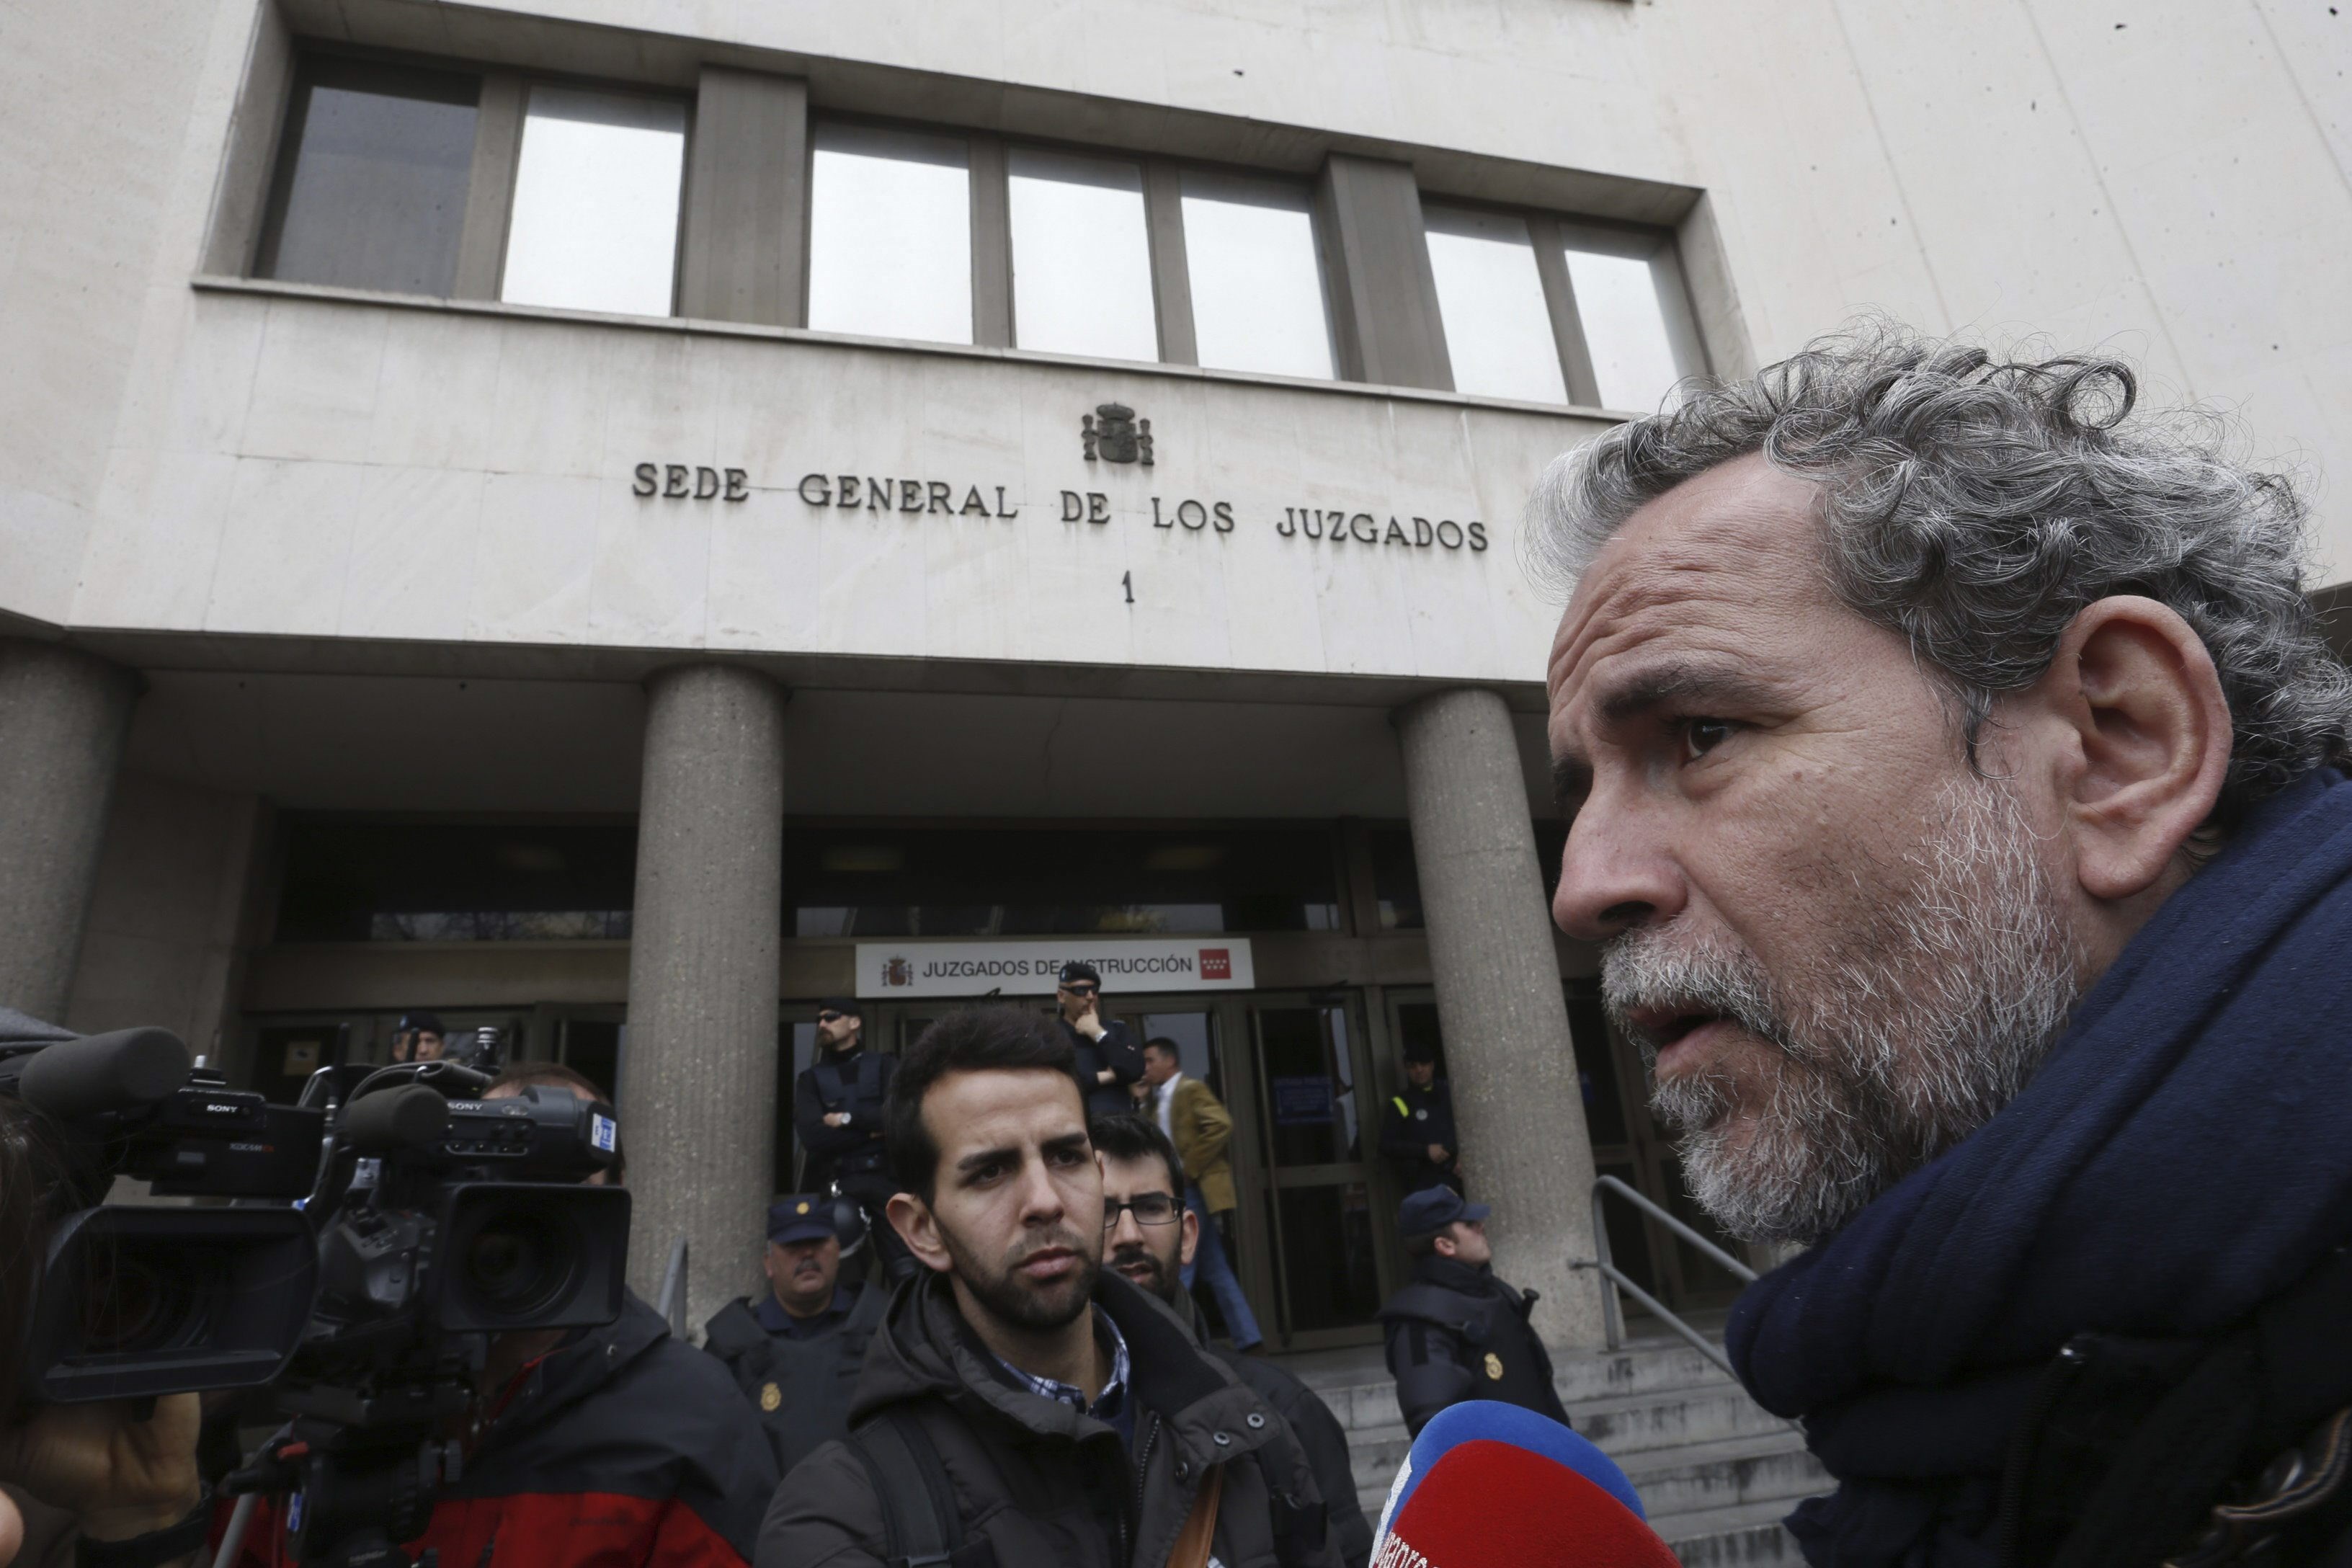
x=1068 y=1157
x=1701 y=736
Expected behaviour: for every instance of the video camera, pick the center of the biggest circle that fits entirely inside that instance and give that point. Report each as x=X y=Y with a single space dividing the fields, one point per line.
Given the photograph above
x=367 y=1252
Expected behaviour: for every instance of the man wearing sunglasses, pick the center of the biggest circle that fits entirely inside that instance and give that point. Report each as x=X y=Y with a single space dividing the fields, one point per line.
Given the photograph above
x=1108 y=1060
x=840 y=1109
x=1149 y=1235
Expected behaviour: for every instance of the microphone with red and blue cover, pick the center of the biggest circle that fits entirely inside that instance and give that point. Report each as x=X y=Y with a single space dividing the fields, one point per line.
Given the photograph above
x=1489 y=1485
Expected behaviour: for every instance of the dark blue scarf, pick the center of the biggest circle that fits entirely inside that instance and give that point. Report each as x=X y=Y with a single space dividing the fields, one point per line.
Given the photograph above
x=2185 y=1153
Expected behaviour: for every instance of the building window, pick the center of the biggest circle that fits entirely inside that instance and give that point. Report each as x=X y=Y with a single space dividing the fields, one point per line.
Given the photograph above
x=1256 y=283
x=478 y=185
x=1490 y=295
x=889 y=233
x=1626 y=284
x=594 y=224
x=1081 y=255
x=372 y=192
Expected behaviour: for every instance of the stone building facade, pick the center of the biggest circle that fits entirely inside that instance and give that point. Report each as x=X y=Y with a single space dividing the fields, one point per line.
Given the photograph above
x=620 y=518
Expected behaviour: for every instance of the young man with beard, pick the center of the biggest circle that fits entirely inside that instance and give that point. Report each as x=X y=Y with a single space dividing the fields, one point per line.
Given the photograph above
x=1149 y=1235
x=1035 y=1407
x=1950 y=761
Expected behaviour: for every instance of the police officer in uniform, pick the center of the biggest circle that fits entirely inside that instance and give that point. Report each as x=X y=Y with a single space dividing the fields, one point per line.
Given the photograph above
x=1110 y=1061
x=1457 y=1332
x=1417 y=1126
x=795 y=1354
x=840 y=1111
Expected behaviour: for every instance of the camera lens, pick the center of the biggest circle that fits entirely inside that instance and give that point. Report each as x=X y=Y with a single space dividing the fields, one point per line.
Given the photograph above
x=519 y=1260
x=136 y=1301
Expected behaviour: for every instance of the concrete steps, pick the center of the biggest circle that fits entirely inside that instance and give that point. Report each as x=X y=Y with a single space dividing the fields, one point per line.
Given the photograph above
x=1716 y=1472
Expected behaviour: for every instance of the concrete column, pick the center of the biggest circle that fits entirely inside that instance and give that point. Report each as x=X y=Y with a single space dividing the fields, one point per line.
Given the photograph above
x=1517 y=1099
x=699 y=1078
x=64 y=716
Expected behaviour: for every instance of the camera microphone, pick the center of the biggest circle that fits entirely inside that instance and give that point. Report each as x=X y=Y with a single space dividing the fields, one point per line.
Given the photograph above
x=98 y=1075
x=395 y=1120
x=1489 y=1485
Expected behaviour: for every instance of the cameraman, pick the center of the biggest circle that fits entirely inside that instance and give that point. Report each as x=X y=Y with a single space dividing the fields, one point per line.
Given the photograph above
x=109 y=1472
x=614 y=1446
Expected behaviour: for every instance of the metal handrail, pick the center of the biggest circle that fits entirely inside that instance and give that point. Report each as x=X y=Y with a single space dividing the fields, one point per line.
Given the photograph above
x=1610 y=1317
x=673 y=1290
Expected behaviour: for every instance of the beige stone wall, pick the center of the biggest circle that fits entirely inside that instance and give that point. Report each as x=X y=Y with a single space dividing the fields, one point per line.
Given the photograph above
x=2174 y=185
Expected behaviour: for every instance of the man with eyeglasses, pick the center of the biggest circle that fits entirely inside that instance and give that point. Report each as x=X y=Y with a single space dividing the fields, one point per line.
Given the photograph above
x=1149 y=1236
x=840 y=1109
x=1109 y=1061
x=1199 y=1126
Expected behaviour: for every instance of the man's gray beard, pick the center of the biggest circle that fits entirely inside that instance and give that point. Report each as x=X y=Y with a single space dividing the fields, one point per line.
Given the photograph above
x=1907 y=1034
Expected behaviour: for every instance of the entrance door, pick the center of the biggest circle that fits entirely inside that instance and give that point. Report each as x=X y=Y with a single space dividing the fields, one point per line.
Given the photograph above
x=1317 y=1136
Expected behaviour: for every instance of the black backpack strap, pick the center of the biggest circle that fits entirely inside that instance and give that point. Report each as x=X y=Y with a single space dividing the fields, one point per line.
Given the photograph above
x=920 y=1526
x=869 y=1076
x=1300 y=1527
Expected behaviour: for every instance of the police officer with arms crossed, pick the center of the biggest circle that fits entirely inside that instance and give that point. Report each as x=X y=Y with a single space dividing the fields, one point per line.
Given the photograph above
x=1457 y=1332
x=839 y=1111
x=1417 y=1126
x=795 y=1354
x=1109 y=1062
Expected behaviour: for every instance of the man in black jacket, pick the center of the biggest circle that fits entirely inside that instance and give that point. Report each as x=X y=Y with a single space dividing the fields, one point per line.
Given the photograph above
x=1457 y=1332
x=796 y=1354
x=1036 y=1407
x=839 y=1110
x=1106 y=1062
x=1417 y=1126
x=1150 y=1238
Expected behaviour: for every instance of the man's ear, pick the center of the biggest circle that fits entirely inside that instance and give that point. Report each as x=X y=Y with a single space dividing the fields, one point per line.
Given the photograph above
x=1189 y=1224
x=2138 y=694
x=911 y=1217
x=1444 y=1244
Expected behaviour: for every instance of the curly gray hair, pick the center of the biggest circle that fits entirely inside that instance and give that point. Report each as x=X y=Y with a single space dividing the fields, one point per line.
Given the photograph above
x=1976 y=504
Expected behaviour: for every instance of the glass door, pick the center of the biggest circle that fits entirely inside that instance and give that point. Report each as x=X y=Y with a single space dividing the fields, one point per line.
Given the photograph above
x=1315 y=1138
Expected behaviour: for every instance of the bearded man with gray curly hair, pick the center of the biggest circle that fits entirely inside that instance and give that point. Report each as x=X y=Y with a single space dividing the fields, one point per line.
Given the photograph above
x=1951 y=761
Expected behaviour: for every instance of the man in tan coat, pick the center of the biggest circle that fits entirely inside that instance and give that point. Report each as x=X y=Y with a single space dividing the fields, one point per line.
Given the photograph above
x=1197 y=1123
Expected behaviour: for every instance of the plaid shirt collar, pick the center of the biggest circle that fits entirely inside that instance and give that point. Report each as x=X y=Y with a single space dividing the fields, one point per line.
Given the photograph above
x=1105 y=1406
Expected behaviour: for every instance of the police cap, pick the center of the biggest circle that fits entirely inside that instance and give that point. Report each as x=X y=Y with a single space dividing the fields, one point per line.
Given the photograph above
x=802 y=1217
x=1432 y=1209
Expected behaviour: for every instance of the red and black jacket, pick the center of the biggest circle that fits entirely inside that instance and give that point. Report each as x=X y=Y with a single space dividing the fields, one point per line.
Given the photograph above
x=624 y=1448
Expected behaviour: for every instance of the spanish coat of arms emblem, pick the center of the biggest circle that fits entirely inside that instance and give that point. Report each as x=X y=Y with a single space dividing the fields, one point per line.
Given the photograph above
x=1112 y=434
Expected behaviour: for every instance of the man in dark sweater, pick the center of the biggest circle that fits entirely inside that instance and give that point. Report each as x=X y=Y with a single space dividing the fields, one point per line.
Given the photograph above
x=838 y=1110
x=1951 y=759
x=1456 y=1331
